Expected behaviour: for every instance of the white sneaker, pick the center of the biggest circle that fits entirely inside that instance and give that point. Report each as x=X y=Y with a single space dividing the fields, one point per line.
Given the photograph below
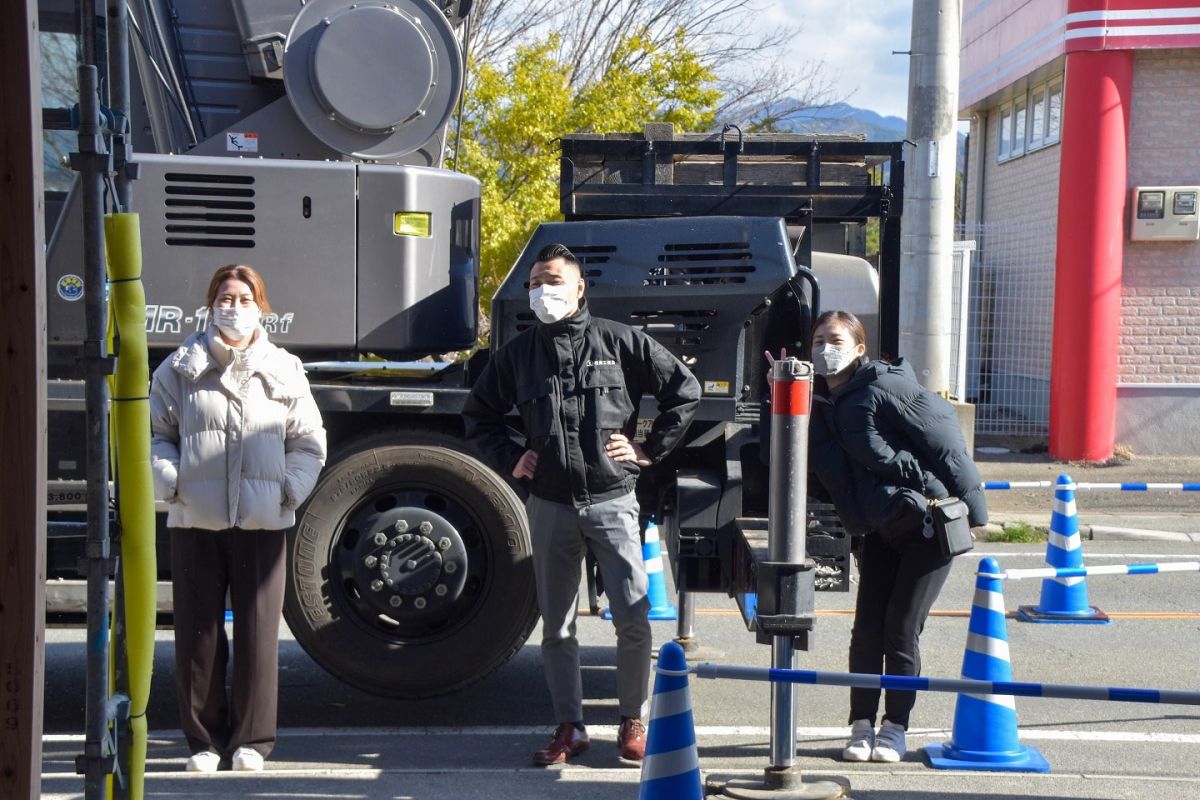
x=246 y=759
x=204 y=761
x=862 y=739
x=889 y=743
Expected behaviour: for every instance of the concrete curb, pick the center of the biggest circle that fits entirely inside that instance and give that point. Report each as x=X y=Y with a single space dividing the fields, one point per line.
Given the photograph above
x=1111 y=533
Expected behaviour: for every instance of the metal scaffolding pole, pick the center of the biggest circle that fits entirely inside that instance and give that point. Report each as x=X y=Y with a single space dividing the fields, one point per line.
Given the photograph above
x=92 y=162
x=123 y=174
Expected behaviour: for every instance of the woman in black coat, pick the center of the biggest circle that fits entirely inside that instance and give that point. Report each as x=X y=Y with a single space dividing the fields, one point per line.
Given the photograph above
x=882 y=445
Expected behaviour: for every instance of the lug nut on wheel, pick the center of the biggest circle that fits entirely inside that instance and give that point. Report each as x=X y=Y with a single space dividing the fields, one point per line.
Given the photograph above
x=370 y=561
x=440 y=590
x=451 y=567
x=419 y=602
x=395 y=601
x=426 y=527
x=380 y=538
x=401 y=525
x=376 y=585
x=444 y=543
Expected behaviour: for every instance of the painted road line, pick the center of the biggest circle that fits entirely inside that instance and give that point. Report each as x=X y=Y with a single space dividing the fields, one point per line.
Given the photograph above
x=566 y=773
x=706 y=731
x=1091 y=554
x=955 y=613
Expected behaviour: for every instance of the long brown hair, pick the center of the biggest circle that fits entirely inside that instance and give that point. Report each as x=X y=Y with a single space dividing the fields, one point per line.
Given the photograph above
x=247 y=275
x=845 y=318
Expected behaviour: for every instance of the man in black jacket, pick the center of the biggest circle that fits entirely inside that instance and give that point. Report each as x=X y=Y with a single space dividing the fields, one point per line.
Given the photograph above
x=577 y=382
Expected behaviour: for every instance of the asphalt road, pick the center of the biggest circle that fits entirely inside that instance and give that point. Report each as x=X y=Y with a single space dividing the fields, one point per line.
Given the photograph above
x=337 y=742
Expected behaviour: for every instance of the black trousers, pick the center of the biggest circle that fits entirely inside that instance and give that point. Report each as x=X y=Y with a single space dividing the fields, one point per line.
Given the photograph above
x=898 y=584
x=251 y=565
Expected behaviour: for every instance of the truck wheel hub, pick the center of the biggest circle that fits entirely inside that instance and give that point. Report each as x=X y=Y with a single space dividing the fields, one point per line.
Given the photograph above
x=410 y=562
x=413 y=564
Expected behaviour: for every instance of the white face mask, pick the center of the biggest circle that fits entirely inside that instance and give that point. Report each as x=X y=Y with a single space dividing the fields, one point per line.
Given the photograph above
x=551 y=303
x=830 y=360
x=236 y=323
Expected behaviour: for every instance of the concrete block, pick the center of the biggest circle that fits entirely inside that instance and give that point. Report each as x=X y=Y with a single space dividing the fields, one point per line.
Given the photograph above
x=966 y=421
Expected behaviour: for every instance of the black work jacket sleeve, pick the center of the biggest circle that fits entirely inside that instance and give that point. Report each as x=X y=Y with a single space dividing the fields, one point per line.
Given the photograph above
x=673 y=386
x=483 y=414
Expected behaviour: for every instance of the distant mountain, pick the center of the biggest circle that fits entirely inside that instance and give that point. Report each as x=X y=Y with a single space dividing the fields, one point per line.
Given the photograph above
x=844 y=118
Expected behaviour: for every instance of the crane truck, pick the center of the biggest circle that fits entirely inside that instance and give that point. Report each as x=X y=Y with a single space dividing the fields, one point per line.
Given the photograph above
x=308 y=140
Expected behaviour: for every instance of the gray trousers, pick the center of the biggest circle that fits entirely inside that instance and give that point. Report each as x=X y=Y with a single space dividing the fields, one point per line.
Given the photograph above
x=559 y=534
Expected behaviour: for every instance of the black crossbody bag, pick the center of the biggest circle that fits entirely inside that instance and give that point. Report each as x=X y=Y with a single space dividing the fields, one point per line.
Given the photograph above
x=947 y=521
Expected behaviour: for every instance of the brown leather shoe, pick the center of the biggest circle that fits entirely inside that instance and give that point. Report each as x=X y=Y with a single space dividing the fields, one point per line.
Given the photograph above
x=568 y=741
x=631 y=739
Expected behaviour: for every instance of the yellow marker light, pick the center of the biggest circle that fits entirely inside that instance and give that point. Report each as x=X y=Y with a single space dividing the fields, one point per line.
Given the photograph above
x=411 y=223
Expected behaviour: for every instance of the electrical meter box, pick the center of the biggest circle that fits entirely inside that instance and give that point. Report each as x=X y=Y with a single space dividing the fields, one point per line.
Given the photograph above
x=1165 y=214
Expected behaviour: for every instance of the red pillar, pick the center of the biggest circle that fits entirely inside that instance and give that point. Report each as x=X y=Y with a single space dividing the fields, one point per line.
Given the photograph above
x=1087 y=291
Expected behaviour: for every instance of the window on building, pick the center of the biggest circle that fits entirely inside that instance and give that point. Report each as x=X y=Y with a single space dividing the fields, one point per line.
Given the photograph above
x=1054 y=100
x=1030 y=121
x=1037 y=117
x=1005 y=141
x=1018 y=134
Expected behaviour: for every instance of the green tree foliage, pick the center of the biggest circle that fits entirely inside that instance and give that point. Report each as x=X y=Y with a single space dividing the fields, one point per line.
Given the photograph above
x=515 y=112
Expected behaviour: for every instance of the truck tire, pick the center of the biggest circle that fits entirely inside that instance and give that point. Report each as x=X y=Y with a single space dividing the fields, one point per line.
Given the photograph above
x=409 y=568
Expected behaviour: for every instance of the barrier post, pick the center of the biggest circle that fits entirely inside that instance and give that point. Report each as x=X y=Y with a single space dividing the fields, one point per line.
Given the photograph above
x=785 y=581
x=791 y=397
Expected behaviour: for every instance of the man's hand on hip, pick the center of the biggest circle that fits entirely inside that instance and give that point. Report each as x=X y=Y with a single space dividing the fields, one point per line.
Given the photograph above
x=526 y=465
x=621 y=449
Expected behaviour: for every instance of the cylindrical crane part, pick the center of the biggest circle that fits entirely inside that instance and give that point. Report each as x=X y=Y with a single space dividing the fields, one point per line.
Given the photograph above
x=373 y=80
x=791 y=396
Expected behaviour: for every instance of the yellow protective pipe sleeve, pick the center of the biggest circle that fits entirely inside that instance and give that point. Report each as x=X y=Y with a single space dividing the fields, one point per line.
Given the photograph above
x=135 y=494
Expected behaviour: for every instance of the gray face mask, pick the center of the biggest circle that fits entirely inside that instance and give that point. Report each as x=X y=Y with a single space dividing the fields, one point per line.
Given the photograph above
x=831 y=360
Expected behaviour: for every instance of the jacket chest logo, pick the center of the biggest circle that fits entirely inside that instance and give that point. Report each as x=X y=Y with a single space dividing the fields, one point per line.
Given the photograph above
x=600 y=363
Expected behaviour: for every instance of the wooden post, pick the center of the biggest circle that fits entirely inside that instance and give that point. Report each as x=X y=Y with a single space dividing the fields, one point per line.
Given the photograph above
x=22 y=406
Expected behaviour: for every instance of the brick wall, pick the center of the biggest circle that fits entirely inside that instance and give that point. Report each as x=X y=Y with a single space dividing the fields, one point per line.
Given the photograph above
x=1160 y=320
x=1013 y=290
x=1021 y=189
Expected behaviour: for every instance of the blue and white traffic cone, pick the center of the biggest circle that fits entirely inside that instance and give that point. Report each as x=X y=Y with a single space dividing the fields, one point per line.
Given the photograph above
x=671 y=768
x=984 y=736
x=1063 y=599
x=660 y=606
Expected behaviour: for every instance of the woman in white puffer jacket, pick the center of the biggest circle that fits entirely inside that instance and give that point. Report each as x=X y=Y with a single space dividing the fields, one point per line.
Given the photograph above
x=238 y=443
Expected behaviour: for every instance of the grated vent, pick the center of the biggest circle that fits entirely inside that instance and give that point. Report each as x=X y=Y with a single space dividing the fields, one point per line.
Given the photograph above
x=701 y=264
x=209 y=210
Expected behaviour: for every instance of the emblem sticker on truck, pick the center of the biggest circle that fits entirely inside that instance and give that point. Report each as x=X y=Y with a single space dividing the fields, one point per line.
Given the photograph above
x=716 y=387
x=70 y=288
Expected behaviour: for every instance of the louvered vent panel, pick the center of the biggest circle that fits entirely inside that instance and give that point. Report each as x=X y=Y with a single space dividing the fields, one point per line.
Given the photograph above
x=701 y=264
x=209 y=210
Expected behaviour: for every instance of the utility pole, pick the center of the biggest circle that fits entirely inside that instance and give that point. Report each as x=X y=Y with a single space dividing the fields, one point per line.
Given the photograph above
x=928 y=223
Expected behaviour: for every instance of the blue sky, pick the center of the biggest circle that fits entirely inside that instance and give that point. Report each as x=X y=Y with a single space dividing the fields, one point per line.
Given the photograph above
x=855 y=39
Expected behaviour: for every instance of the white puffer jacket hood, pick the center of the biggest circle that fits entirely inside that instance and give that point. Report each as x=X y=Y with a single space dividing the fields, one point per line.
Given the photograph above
x=228 y=453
